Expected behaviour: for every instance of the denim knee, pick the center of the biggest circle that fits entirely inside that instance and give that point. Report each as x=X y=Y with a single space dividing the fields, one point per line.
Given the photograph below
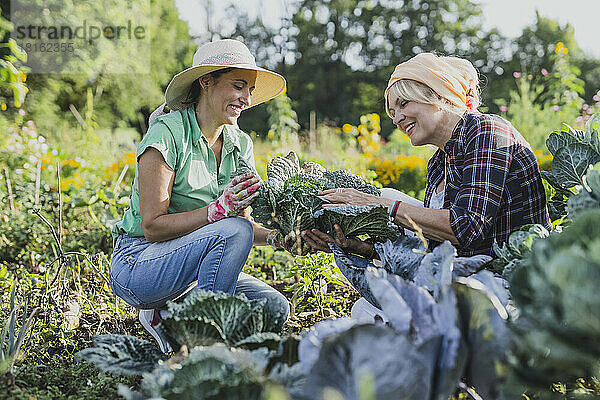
x=280 y=305
x=238 y=232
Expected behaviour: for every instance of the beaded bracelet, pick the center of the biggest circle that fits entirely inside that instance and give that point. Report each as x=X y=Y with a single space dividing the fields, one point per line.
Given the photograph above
x=394 y=209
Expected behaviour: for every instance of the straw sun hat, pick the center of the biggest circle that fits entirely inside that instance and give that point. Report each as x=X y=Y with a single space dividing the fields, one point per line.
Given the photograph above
x=227 y=53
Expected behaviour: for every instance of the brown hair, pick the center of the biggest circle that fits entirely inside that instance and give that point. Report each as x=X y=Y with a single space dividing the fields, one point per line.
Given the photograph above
x=195 y=90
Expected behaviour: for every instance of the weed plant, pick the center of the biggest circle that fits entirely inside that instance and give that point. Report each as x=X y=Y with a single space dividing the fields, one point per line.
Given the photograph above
x=316 y=278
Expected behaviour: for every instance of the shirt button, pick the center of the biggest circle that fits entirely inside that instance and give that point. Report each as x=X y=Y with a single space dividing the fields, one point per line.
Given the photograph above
x=220 y=181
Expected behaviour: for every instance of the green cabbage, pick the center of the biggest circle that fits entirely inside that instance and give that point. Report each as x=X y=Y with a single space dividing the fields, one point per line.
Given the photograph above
x=290 y=203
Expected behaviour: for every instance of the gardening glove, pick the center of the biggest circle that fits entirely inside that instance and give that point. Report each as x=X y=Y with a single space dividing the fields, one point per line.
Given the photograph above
x=237 y=195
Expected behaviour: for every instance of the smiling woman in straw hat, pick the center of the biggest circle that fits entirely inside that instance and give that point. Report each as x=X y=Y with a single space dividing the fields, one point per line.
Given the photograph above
x=186 y=224
x=483 y=182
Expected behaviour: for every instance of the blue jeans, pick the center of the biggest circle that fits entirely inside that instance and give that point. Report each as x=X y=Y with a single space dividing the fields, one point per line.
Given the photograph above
x=145 y=275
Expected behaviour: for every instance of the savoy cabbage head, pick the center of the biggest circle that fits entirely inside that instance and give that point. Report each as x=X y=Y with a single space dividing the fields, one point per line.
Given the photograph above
x=214 y=372
x=372 y=220
x=121 y=354
x=247 y=357
x=204 y=317
x=290 y=203
x=219 y=372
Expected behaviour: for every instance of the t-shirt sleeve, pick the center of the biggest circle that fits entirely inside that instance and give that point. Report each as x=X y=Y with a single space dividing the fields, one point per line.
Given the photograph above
x=160 y=138
x=487 y=159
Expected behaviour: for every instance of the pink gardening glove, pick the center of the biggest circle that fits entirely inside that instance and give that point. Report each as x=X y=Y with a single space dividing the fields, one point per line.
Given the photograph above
x=238 y=194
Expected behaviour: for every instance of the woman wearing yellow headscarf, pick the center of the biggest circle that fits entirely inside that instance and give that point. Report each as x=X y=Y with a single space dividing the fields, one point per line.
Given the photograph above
x=483 y=182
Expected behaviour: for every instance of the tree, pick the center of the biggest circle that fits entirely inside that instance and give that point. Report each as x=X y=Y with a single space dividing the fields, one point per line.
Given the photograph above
x=120 y=100
x=535 y=50
x=346 y=49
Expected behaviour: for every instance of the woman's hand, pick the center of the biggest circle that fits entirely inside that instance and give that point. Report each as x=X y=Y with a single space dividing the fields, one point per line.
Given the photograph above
x=320 y=241
x=276 y=240
x=349 y=196
x=237 y=195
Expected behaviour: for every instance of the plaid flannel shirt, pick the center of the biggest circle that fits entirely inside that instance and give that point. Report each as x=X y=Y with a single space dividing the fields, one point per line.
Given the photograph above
x=493 y=183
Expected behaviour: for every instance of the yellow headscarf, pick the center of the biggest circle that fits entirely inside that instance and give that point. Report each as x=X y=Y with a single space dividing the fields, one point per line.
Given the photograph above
x=453 y=78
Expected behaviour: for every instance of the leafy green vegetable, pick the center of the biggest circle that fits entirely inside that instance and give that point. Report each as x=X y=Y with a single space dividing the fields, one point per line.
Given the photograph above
x=311 y=343
x=573 y=152
x=290 y=203
x=372 y=220
x=475 y=304
x=354 y=268
x=516 y=248
x=406 y=258
x=443 y=331
x=482 y=299
x=292 y=379
x=589 y=195
x=414 y=312
x=218 y=372
x=374 y=359
x=121 y=354
x=435 y=270
x=280 y=169
x=344 y=179
x=214 y=372
x=244 y=167
x=203 y=318
x=557 y=335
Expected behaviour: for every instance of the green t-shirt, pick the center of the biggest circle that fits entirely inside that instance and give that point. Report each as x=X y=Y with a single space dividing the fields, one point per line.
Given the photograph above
x=186 y=151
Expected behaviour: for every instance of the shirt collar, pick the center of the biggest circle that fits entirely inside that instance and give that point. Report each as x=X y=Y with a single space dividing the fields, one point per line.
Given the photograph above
x=231 y=138
x=457 y=133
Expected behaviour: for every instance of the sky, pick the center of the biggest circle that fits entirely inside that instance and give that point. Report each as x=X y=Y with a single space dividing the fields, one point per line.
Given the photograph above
x=509 y=16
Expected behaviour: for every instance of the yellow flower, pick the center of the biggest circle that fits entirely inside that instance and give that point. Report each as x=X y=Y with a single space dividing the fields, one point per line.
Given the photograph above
x=111 y=170
x=347 y=128
x=46 y=160
x=66 y=183
x=3 y=106
x=559 y=47
x=565 y=50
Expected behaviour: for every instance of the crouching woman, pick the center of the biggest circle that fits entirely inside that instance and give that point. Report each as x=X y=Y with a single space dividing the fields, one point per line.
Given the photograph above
x=483 y=181
x=185 y=227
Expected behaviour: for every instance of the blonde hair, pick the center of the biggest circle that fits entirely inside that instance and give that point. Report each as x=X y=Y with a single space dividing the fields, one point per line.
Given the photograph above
x=413 y=90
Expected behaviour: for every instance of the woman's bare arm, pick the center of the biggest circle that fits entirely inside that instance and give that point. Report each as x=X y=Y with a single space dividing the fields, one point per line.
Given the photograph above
x=260 y=233
x=434 y=223
x=155 y=185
